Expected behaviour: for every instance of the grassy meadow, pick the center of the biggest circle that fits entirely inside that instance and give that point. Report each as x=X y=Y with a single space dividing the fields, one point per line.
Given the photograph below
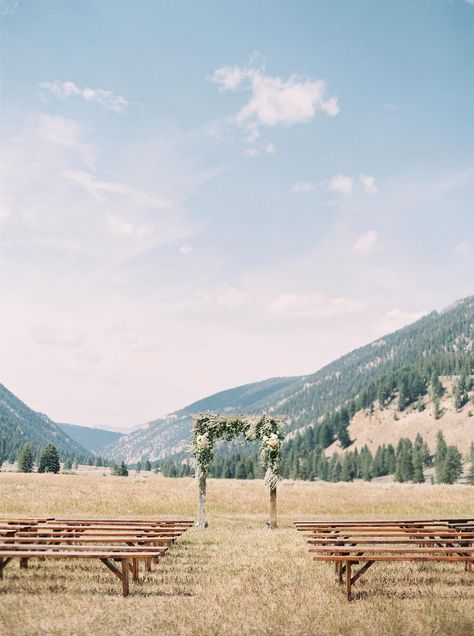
x=237 y=577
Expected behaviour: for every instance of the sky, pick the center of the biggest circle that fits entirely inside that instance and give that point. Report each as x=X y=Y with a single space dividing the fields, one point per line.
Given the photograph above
x=197 y=195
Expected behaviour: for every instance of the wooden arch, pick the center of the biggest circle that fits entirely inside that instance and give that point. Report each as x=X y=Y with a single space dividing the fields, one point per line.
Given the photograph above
x=210 y=427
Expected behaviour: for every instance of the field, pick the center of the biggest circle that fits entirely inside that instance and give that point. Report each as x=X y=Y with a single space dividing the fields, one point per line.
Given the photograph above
x=237 y=577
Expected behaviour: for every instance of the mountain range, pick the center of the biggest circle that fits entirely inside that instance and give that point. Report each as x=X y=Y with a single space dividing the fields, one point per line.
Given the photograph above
x=441 y=342
x=444 y=339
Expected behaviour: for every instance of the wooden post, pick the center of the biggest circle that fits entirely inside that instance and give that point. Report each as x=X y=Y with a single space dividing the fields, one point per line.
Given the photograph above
x=202 y=523
x=273 y=508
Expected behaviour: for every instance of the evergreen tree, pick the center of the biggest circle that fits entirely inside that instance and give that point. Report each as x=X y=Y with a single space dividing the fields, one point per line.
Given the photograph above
x=147 y=466
x=49 y=460
x=67 y=464
x=440 y=456
x=470 y=475
x=25 y=459
x=138 y=467
x=438 y=411
x=437 y=389
x=461 y=392
x=366 y=462
x=240 y=472
x=418 y=475
x=452 y=467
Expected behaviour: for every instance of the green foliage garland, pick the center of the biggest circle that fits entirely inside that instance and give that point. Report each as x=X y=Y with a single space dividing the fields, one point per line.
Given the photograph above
x=210 y=427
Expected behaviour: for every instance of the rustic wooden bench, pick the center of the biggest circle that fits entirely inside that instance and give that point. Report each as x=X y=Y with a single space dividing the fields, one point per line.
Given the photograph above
x=349 y=543
x=121 y=541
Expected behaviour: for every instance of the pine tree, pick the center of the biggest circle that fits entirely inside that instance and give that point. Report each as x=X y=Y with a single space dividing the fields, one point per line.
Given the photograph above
x=461 y=392
x=240 y=472
x=147 y=465
x=437 y=389
x=418 y=475
x=440 y=455
x=67 y=464
x=470 y=474
x=25 y=459
x=452 y=467
x=49 y=460
x=138 y=467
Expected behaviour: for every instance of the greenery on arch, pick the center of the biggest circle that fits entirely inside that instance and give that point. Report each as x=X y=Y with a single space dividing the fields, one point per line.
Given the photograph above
x=209 y=428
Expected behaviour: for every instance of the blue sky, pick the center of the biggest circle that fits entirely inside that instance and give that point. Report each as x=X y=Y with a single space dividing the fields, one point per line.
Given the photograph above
x=202 y=194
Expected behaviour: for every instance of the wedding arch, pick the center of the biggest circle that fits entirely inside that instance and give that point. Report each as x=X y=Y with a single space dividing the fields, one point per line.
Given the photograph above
x=210 y=427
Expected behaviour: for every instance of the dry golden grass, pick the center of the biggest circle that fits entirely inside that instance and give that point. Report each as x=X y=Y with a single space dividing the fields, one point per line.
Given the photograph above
x=237 y=577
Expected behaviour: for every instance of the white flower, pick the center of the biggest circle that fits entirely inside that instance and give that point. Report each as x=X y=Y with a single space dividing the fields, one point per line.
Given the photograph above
x=202 y=441
x=273 y=441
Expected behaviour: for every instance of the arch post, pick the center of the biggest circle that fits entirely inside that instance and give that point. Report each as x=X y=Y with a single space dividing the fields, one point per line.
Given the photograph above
x=202 y=523
x=273 y=508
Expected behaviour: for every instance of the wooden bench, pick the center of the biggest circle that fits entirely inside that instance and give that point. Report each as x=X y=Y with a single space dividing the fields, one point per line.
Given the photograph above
x=121 y=541
x=349 y=543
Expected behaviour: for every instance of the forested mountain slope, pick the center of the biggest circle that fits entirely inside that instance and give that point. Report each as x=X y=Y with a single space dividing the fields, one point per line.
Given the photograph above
x=20 y=424
x=90 y=438
x=441 y=342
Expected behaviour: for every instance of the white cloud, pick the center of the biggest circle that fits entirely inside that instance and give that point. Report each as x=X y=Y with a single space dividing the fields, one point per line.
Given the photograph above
x=99 y=189
x=365 y=242
x=368 y=183
x=107 y=99
x=65 y=132
x=312 y=305
x=228 y=77
x=303 y=186
x=471 y=2
x=341 y=184
x=8 y=7
x=274 y=101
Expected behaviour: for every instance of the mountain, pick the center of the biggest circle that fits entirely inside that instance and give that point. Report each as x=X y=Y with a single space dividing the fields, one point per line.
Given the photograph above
x=440 y=341
x=90 y=438
x=20 y=424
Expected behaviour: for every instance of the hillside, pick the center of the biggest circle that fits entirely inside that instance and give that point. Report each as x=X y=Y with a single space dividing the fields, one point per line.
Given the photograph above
x=386 y=425
x=90 y=438
x=20 y=424
x=441 y=341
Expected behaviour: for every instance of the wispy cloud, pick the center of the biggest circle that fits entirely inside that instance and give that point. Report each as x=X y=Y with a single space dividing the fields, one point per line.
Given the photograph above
x=339 y=184
x=303 y=186
x=105 y=98
x=365 y=243
x=65 y=132
x=8 y=7
x=274 y=101
x=100 y=189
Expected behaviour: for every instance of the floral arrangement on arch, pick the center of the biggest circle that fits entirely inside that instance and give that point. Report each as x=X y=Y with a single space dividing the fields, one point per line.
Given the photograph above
x=209 y=427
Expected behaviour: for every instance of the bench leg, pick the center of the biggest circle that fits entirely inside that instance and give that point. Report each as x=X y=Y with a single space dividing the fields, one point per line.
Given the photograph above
x=122 y=575
x=134 y=569
x=3 y=563
x=125 y=570
x=348 y=580
x=23 y=564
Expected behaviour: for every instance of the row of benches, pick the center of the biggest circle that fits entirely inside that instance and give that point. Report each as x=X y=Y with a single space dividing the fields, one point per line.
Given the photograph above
x=120 y=544
x=350 y=543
